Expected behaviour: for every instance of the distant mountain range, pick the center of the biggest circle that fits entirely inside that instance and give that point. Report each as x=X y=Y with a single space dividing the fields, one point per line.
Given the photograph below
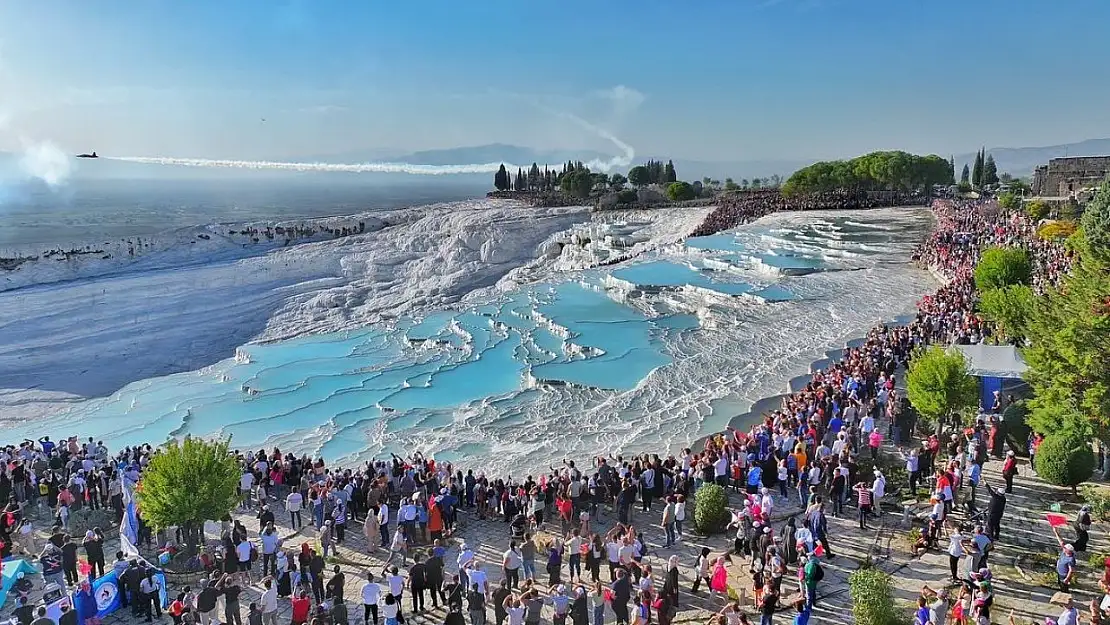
x=1016 y=161
x=1021 y=161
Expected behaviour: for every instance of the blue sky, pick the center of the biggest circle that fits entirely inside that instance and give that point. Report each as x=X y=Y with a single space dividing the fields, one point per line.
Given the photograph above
x=713 y=80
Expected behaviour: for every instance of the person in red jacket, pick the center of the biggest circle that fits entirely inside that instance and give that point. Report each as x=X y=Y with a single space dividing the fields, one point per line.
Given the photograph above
x=301 y=606
x=1009 y=470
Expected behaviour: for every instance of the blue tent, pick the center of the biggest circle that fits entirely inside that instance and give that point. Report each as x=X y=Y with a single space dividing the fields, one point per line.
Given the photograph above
x=12 y=568
x=994 y=365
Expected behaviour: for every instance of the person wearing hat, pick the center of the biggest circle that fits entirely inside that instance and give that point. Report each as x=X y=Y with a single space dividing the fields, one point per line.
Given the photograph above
x=1066 y=564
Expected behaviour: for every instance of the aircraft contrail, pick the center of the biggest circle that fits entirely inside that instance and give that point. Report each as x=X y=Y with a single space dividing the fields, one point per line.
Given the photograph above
x=620 y=161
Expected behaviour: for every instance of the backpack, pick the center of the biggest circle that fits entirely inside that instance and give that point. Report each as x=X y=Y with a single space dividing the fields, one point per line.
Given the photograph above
x=819 y=572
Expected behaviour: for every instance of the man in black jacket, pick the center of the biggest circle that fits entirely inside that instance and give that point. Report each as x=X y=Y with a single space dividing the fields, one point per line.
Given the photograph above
x=69 y=561
x=128 y=587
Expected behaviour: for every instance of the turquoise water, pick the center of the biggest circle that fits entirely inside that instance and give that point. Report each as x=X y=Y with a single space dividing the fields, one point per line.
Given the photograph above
x=668 y=274
x=597 y=360
x=416 y=371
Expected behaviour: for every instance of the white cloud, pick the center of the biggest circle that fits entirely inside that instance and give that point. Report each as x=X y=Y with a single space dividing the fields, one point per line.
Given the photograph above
x=625 y=100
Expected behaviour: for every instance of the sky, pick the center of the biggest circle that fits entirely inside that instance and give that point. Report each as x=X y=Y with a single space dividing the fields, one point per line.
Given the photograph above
x=710 y=80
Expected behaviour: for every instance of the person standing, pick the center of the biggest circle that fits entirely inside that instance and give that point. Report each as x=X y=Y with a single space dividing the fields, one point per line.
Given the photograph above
x=418 y=583
x=371 y=594
x=293 y=504
x=511 y=561
x=269 y=602
x=94 y=552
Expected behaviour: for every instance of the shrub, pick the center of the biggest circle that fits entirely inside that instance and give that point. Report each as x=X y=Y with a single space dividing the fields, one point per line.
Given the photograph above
x=1002 y=266
x=1099 y=499
x=710 y=509
x=872 y=597
x=627 y=196
x=680 y=191
x=1036 y=209
x=1065 y=459
x=1056 y=230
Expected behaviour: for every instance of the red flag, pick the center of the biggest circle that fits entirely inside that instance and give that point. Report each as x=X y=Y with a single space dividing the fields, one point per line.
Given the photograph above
x=1055 y=520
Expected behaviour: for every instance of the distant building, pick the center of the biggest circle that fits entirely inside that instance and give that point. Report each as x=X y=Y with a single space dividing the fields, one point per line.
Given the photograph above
x=1068 y=176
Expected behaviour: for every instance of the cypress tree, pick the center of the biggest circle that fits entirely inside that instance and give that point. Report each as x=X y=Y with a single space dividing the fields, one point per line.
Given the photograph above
x=990 y=171
x=670 y=174
x=977 y=170
x=965 y=175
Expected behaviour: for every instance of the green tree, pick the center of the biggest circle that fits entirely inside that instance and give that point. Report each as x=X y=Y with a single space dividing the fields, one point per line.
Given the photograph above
x=710 y=509
x=577 y=183
x=1069 y=336
x=1009 y=201
x=964 y=175
x=1096 y=223
x=617 y=181
x=990 y=171
x=627 y=196
x=731 y=185
x=1003 y=266
x=501 y=178
x=669 y=174
x=639 y=176
x=680 y=192
x=1010 y=308
x=872 y=596
x=939 y=385
x=977 y=171
x=1065 y=459
x=188 y=483
x=1036 y=209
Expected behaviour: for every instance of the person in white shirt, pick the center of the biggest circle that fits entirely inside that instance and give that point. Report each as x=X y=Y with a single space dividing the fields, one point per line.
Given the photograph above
x=511 y=562
x=477 y=577
x=679 y=514
x=246 y=483
x=243 y=553
x=383 y=522
x=371 y=594
x=878 y=490
x=293 y=504
x=269 y=603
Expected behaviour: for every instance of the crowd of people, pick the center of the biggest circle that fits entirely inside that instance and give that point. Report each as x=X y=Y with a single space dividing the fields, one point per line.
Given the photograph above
x=823 y=448
x=735 y=209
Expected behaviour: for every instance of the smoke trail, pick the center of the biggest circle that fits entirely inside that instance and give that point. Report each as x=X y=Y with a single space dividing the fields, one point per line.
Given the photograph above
x=622 y=160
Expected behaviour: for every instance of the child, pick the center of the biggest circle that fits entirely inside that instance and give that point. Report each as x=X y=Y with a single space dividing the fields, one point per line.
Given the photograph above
x=254 y=615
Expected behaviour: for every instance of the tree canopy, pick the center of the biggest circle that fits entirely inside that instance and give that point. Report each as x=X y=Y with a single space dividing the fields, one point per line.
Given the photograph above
x=188 y=483
x=577 y=183
x=1069 y=335
x=1065 y=459
x=1010 y=308
x=1003 y=266
x=939 y=385
x=898 y=171
x=680 y=191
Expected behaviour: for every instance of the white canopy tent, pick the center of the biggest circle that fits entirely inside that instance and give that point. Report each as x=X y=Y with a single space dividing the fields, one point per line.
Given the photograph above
x=993 y=361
